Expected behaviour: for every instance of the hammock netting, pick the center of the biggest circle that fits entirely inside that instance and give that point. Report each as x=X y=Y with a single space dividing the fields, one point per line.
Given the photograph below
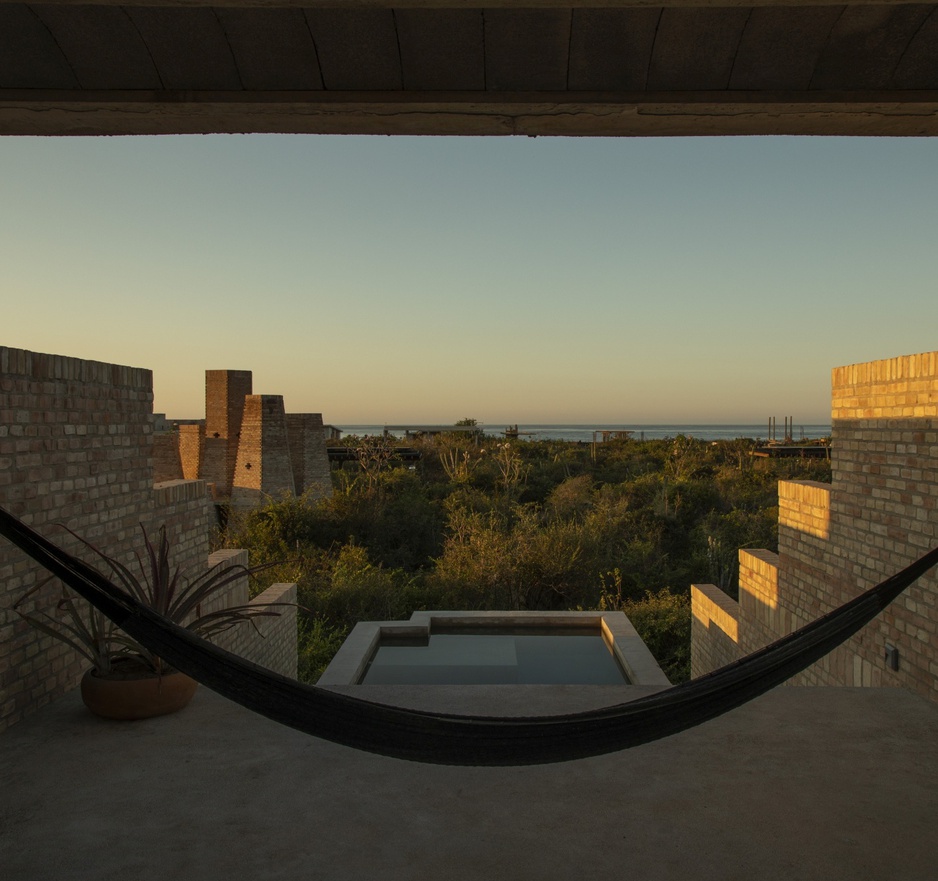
x=443 y=738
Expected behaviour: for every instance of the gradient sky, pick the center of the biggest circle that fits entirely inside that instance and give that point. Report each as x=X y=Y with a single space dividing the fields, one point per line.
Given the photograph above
x=381 y=280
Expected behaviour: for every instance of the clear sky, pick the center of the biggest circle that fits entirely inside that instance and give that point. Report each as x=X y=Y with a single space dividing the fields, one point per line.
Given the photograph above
x=382 y=280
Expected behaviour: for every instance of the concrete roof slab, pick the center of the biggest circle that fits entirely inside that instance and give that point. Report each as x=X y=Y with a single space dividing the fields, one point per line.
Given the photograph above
x=866 y=46
x=441 y=49
x=101 y=46
x=188 y=47
x=611 y=48
x=273 y=48
x=445 y=67
x=814 y=784
x=917 y=67
x=29 y=56
x=694 y=49
x=779 y=48
x=526 y=48
x=357 y=48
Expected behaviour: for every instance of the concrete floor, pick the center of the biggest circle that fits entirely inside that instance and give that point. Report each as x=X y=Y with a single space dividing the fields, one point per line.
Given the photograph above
x=801 y=784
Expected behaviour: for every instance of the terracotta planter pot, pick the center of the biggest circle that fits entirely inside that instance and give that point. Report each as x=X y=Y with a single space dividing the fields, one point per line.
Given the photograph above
x=140 y=698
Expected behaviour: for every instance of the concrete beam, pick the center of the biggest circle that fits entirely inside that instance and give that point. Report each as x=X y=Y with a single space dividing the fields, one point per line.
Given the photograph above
x=37 y=112
x=475 y=4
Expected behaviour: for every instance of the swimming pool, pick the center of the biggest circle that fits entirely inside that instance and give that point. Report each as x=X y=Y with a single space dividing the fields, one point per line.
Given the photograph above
x=496 y=648
x=496 y=656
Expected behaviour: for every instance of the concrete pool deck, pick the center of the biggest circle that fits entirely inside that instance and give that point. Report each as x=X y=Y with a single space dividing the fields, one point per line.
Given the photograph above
x=804 y=783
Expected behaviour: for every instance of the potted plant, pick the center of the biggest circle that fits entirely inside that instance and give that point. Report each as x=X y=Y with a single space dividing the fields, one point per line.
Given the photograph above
x=125 y=680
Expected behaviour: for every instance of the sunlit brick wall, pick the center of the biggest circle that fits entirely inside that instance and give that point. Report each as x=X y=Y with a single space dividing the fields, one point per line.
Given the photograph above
x=879 y=514
x=191 y=441
x=263 y=467
x=714 y=629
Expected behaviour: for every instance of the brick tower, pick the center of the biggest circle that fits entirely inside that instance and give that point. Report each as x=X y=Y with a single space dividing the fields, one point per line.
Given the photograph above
x=263 y=452
x=309 y=455
x=225 y=391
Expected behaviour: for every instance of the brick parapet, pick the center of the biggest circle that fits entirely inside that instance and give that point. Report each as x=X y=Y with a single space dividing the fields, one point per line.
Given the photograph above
x=174 y=492
x=271 y=641
x=237 y=593
x=185 y=508
x=758 y=580
x=46 y=368
x=804 y=506
x=714 y=629
x=903 y=387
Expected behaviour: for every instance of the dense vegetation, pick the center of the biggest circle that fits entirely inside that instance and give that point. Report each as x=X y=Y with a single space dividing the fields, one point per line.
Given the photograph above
x=521 y=525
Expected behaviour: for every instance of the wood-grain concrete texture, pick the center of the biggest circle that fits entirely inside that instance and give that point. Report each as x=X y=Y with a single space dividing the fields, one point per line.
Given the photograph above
x=813 y=784
x=551 y=67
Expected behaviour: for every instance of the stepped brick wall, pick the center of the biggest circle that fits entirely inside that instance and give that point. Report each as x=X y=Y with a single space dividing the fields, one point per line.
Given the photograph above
x=76 y=449
x=309 y=456
x=263 y=466
x=715 y=629
x=878 y=514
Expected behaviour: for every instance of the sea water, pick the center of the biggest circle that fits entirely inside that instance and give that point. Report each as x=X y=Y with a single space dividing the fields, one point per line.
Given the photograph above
x=584 y=433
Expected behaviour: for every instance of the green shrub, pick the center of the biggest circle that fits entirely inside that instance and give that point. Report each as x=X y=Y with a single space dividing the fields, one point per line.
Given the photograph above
x=662 y=620
x=317 y=643
x=524 y=525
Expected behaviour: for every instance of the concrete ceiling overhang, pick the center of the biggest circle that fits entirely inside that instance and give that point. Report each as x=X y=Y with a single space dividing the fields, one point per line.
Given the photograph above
x=535 y=67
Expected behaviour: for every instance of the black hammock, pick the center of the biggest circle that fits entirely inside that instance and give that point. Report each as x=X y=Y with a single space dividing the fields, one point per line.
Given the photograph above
x=463 y=740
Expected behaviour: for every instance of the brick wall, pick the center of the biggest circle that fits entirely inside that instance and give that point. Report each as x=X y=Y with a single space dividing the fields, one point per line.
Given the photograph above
x=714 y=628
x=191 y=441
x=184 y=508
x=212 y=467
x=167 y=464
x=308 y=453
x=271 y=641
x=879 y=513
x=76 y=448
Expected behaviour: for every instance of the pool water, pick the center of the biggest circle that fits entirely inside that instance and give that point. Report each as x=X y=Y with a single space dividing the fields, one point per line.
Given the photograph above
x=497 y=657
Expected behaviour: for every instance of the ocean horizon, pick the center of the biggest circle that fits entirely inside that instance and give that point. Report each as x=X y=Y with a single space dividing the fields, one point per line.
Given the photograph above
x=584 y=432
